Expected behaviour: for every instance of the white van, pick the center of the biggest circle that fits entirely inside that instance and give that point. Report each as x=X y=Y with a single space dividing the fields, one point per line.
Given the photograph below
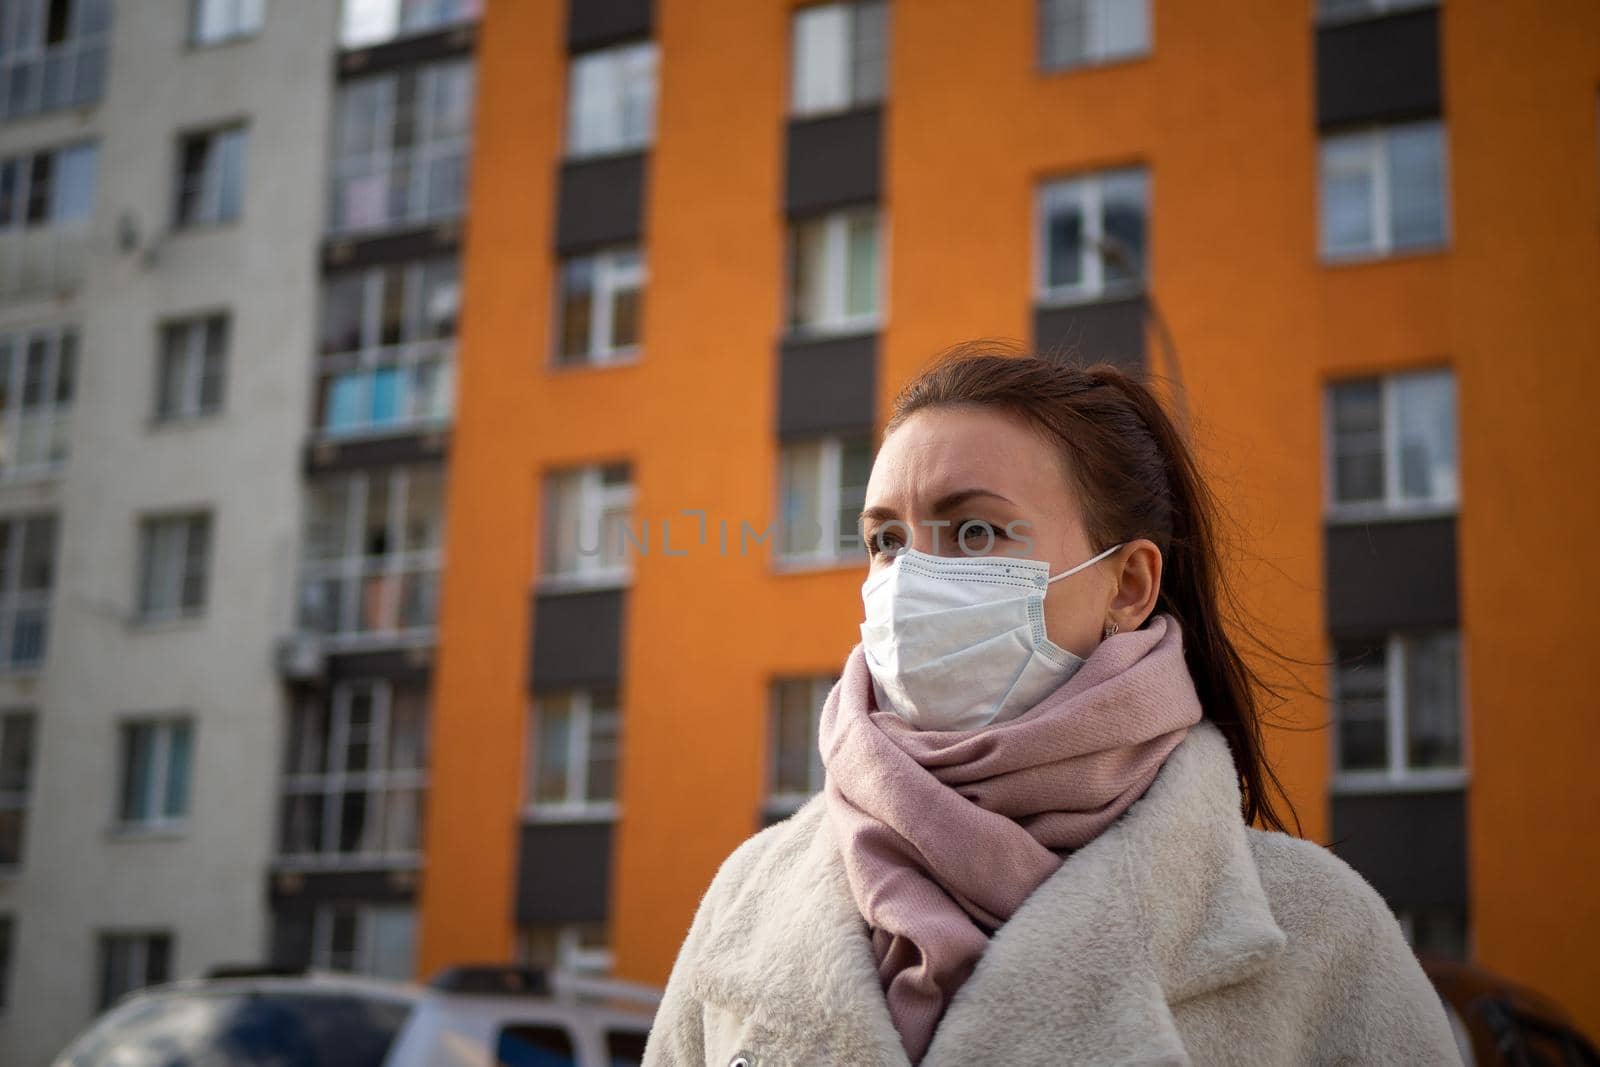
x=467 y=1017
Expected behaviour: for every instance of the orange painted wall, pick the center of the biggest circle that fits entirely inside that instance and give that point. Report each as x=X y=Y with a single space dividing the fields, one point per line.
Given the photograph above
x=1221 y=113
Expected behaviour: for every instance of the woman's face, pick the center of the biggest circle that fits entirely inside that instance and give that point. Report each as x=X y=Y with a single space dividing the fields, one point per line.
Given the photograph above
x=966 y=467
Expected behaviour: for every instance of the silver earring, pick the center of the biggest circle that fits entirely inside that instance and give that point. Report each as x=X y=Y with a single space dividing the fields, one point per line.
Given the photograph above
x=1111 y=628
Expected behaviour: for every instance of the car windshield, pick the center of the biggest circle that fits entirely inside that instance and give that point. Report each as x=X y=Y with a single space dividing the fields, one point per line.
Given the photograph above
x=245 y=1029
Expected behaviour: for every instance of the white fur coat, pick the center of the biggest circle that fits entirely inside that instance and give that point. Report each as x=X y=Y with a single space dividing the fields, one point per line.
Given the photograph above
x=1179 y=935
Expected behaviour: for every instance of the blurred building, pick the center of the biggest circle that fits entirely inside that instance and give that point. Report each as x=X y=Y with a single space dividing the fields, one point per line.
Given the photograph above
x=156 y=307
x=1356 y=241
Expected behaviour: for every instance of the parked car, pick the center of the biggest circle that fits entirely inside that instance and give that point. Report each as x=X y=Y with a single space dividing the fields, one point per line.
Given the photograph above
x=1501 y=1024
x=466 y=1017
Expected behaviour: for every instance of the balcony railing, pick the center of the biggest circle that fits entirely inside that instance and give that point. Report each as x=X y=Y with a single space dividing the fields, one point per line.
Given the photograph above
x=386 y=391
x=24 y=622
x=41 y=259
x=408 y=187
x=70 y=74
x=371 y=600
x=33 y=446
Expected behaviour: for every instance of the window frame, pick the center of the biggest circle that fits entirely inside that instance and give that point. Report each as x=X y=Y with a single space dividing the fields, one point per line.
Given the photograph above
x=352 y=565
x=820 y=685
x=610 y=279
x=1089 y=187
x=1096 y=52
x=336 y=781
x=164 y=729
x=20 y=421
x=852 y=96
x=139 y=942
x=575 y=147
x=365 y=948
x=576 y=805
x=15 y=601
x=1398 y=776
x=80 y=45
x=239 y=25
x=830 y=500
x=1380 y=206
x=836 y=320
x=197 y=332
x=211 y=201
x=150 y=525
x=17 y=800
x=595 y=500
x=47 y=252
x=1393 y=506
x=398 y=32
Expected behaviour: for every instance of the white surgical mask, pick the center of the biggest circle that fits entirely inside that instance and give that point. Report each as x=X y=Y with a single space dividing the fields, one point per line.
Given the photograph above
x=955 y=643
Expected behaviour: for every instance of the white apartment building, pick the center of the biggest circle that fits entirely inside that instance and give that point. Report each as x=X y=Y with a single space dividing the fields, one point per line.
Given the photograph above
x=162 y=200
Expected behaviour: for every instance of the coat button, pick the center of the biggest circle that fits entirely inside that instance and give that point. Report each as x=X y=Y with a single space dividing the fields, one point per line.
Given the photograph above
x=743 y=1059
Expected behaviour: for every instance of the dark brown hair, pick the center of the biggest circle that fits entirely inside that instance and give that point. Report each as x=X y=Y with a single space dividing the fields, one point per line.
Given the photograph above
x=1137 y=478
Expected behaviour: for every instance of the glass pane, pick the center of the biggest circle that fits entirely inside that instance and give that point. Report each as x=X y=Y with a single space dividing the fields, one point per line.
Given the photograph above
x=564 y=535
x=16 y=751
x=357 y=832
x=419 y=599
x=553 y=749
x=38 y=553
x=441 y=298
x=230 y=174
x=855 y=467
x=402 y=821
x=1124 y=203
x=535 y=1046
x=12 y=829
x=1124 y=27
x=343 y=935
x=1362 y=713
x=626 y=306
x=1357 y=442
x=327 y=517
x=1347 y=222
x=424 y=516
x=821 y=60
x=1063 y=236
x=808 y=274
x=138 y=767
x=638 y=87
x=1425 y=410
x=577 y=303
x=392 y=935
x=408 y=721
x=196 y=562
x=800 y=491
x=792 y=740
x=342 y=302
x=392 y=304
x=358 y=736
x=1416 y=184
x=375 y=539
x=302 y=824
x=869 y=52
x=593 y=114
x=175 y=802
x=170 y=375
x=1063 y=32
x=308 y=741
x=604 y=746
x=861 y=281
x=1433 y=701
x=75 y=183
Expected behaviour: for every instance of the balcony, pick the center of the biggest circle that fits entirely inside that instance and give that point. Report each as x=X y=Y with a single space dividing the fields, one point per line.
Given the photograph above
x=41 y=260
x=404 y=188
x=69 y=74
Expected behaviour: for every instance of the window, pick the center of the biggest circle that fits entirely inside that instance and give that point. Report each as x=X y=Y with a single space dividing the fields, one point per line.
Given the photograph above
x=1349 y=10
x=401 y=147
x=130 y=961
x=156 y=757
x=8 y=927
x=16 y=770
x=1393 y=444
x=366 y=939
x=526 y=1044
x=574 y=947
x=601 y=299
x=46 y=199
x=1398 y=710
x=840 y=57
x=52 y=55
x=193 y=362
x=388 y=348
x=216 y=21
x=1092 y=235
x=588 y=526
x=1383 y=190
x=794 y=769
x=572 y=767
x=611 y=100
x=210 y=188
x=1078 y=33
x=369 y=22
x=38 y=374
x=374 y=544
x=355 y=776
x=835 y=275
x=823 y=489
x=174 y=556
x=27 y=575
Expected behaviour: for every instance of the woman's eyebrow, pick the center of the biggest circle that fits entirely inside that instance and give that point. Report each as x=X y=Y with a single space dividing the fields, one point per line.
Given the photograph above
x=945 y=504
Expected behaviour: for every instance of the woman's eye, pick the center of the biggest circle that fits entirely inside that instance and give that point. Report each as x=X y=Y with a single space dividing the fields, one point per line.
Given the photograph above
x=882 y=541
x=979 y=534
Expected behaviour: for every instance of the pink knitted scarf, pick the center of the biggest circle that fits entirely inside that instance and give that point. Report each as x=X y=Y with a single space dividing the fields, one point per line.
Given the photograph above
x=945 y=833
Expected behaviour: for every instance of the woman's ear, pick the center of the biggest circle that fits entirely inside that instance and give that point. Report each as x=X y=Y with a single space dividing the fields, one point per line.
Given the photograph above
x=1137 y=581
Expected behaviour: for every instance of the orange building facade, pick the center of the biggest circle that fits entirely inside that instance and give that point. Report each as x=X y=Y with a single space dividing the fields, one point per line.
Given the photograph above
x=1382 y=295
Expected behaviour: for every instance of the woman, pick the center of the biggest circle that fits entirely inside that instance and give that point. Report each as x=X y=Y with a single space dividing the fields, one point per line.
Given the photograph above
x=1043 y=761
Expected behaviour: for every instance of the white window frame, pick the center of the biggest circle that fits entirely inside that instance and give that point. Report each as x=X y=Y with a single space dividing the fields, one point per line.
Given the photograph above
x=779 y=804
x=16 y=800
x=611 y=276
x=1398 y=775
x=408 y=356
x=376 y=783
x=22 y=429
x=79 y=48
x=1097 y=50
x=1393 y=505
x=582 y=145
x=1372 y=9
x=196 y=330
x=595 y=499
x=163 y=729
x=17 y=603
x=1374 y=141
x=212 y=201
x=836 y=274
x=234 y=20
x=384 y=160
x=322 y=920
x=1089 y=191
x=576 y=806
x=138 y=941
x=150 y=527
x=844 y=93
x=50 y=253
x=352 y=564
x=386 y=23
x=831 y=551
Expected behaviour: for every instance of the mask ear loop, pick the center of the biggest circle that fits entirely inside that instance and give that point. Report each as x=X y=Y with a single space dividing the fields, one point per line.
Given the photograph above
x=1087 y=563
